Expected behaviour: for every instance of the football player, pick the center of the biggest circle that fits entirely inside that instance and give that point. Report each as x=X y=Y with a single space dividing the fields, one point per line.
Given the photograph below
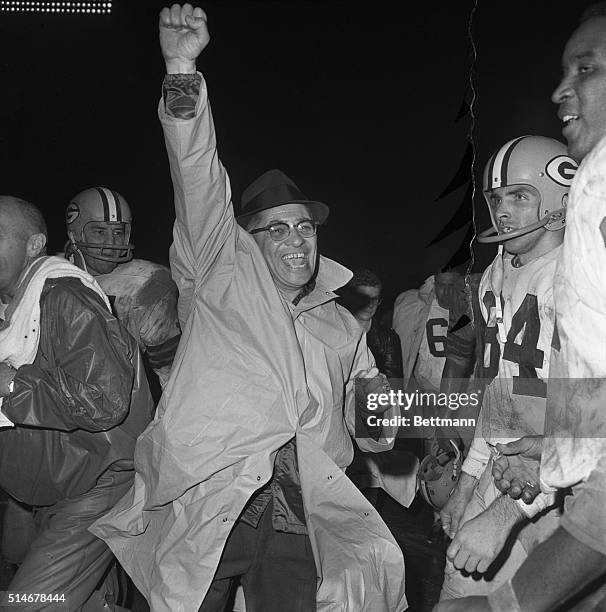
x=142 y=293
x=437 y=338
x=421 y=318
x=526 y=184
x=143 y=297
x=438 y=352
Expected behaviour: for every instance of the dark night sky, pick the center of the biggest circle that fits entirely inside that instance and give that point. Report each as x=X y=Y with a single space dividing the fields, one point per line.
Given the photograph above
x=357 y=103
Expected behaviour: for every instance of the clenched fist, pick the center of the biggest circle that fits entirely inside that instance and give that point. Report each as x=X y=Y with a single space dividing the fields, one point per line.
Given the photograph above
x=371 y=381
x=183 y=36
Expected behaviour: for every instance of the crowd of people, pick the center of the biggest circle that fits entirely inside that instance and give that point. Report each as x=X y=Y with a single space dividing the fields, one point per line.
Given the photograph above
x=209 y=427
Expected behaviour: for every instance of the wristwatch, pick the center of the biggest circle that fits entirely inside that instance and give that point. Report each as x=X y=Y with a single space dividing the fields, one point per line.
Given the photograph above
x=11 y=386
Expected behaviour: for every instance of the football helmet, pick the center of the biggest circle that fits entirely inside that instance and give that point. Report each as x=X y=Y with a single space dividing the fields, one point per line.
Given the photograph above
x=537 y=161
x=99 y=205
x=438 y=475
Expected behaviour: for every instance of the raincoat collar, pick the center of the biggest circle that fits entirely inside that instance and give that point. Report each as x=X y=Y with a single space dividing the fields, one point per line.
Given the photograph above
x=331 y=276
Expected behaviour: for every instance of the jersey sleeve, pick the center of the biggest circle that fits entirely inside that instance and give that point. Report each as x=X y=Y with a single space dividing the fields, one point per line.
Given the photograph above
x=479 y=453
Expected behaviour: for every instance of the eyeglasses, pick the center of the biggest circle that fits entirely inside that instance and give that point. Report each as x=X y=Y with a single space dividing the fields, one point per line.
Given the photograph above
x=281 y=230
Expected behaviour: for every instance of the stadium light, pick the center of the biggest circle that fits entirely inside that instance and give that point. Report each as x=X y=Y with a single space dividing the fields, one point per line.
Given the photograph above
x=47 y=6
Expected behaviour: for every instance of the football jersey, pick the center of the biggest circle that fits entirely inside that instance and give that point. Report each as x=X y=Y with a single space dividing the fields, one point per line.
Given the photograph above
x=517 y=353
x=432 y=351
x=144 y=298
x=576 y=411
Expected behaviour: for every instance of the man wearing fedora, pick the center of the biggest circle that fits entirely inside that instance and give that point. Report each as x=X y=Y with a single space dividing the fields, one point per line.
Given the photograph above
x=241 y=475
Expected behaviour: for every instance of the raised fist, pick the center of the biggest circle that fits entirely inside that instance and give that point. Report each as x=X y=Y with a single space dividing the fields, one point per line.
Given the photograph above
x=183 y=36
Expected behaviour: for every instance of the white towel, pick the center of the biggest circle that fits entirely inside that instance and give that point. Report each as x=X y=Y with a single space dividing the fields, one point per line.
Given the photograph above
x=20 y=331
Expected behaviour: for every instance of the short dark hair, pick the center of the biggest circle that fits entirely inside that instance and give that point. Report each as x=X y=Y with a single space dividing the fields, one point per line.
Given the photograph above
x=363 y=277
x=350 y=297
x=597 y=9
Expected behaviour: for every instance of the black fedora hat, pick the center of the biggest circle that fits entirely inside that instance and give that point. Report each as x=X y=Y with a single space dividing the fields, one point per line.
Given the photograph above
x=274 y=188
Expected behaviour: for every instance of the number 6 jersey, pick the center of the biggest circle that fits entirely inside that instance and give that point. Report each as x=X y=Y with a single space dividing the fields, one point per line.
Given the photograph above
x=432 y=351
x=517 y=351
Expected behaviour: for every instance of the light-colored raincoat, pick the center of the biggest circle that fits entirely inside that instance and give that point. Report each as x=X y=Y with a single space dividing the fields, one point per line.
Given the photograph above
x=251 y=372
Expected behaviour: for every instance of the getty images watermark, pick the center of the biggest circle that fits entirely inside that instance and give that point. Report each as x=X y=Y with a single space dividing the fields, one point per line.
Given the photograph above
x=414 y=411
x=420 y=400
x=407 y=400
x=573 y=407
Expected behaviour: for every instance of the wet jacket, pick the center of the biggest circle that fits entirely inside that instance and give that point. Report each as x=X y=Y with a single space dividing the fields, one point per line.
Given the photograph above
x=252 y=371
x=79 y=407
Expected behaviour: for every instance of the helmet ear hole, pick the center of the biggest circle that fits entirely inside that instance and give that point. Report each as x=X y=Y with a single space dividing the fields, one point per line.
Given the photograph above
x=565 y=200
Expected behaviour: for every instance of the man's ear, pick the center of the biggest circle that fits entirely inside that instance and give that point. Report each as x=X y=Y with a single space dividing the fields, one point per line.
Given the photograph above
x=36 y=244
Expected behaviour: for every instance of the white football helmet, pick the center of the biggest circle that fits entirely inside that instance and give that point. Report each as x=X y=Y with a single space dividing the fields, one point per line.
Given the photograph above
x=537 y=161
x=438 y=475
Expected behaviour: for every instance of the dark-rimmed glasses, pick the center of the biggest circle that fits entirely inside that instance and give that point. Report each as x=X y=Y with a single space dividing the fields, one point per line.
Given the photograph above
x=281 y=230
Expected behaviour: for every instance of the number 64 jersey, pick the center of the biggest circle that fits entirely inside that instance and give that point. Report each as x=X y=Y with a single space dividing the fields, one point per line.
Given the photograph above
x=517 y=347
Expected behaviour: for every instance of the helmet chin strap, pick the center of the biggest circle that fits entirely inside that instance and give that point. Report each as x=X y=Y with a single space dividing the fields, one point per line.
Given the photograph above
x=80 y=254
x=72 y=252
x=491 y=235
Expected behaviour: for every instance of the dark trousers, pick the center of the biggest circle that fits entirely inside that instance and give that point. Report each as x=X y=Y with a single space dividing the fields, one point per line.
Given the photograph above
x=277 y=570
x=65 y=558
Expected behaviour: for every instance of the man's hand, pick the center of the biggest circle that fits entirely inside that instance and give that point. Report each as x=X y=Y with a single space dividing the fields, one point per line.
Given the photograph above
x=481 y=539
x=478 y=603
x=183 y=36
x=371 y=381
x=516 y=471
x=530 y=447
x=452 y=512
x=7 y=373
